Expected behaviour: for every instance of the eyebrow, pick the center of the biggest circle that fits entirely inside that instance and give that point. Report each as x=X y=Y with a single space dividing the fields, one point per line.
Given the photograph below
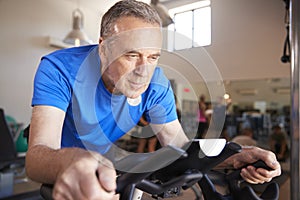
x=137 y=52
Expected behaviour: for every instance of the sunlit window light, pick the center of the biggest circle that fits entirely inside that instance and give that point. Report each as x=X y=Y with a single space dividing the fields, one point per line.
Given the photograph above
x=192 y=26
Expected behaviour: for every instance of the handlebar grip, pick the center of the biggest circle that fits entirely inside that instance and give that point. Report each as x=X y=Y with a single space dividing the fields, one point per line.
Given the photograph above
x=46 y=191
x=270 y=193
x=141 y=170
x=261 y=164
x=236 y=174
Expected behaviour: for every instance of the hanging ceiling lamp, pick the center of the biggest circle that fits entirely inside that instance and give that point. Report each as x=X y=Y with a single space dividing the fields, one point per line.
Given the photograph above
x=77 y=37
x=162 y=12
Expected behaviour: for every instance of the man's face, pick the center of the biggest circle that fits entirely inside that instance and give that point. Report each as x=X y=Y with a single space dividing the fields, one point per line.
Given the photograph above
x=130 y=56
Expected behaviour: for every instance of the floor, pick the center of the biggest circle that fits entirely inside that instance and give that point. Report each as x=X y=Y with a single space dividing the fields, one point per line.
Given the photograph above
x=24 y=189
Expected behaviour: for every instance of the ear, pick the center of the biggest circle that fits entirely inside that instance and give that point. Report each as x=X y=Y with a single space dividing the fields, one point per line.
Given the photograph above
x=100 y=40
x=101 y=47
x=102 y=53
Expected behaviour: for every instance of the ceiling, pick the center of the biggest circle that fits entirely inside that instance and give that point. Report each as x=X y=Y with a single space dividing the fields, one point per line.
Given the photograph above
x=106 y=4
x=175 y=3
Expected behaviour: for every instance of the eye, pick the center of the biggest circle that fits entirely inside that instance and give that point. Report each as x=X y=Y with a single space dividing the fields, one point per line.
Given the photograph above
x=154 y=58
x=132 y=56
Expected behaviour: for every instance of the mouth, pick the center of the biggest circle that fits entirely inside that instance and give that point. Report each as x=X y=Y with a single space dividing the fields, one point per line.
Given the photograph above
x=136 y=85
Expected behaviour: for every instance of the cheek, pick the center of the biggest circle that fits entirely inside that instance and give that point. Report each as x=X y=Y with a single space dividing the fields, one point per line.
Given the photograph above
x=151 y=70
x=120 y=69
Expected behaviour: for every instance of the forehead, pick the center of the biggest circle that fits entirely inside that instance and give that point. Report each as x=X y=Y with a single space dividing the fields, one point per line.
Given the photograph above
x=126 y=23
x=139 y=39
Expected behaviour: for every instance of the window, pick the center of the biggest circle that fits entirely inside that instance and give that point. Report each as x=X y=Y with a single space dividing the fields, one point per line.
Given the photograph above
x=192 y=26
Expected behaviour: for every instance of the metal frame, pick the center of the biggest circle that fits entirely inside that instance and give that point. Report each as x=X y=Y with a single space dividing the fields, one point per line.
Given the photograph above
x=295 y=95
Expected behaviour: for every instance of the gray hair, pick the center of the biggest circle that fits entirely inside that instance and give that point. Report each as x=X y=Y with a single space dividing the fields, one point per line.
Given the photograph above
x=127 y=8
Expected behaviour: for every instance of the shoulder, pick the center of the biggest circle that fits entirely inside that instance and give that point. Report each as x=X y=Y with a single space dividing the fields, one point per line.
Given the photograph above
x=70 y=55
x=66 y=61
x=73 y=50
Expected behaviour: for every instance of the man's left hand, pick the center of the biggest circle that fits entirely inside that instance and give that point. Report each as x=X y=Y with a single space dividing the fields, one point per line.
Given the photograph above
x=256 y=175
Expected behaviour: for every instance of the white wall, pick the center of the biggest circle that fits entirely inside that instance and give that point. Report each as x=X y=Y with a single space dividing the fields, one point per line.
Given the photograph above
x=25 y=26
x=247 y=39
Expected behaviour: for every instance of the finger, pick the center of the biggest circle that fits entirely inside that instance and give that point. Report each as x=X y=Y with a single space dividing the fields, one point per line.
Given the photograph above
x=271 y=161
x=107 y=175
x=66 y=187
x=107 y=178
x=91 y=188
x=77 y=192
x=116 y=197
x=268 y=174
x=247 y=177
x=276 y=166
x=259 y=175
x=252 y=176
x=61 y=191
x=59 y=196
x=273 y=170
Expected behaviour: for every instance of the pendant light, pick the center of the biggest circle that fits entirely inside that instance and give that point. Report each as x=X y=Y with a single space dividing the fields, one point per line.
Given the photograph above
x=162 y=12
x=77 y=37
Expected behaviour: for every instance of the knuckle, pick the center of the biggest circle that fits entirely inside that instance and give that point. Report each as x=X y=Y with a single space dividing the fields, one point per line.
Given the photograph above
x=58 y=194
x=279 y=173
x=271 y=156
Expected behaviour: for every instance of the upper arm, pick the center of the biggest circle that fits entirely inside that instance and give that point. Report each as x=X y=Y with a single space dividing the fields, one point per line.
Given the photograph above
x=52 y=84
x=51 y=96
x=46 y=126
x=170 y=133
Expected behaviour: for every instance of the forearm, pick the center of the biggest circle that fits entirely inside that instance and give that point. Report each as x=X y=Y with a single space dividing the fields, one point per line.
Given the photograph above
x=44 y=164
x=250 y=155
x=238 y=160
x=229 y=162
x=170 y=134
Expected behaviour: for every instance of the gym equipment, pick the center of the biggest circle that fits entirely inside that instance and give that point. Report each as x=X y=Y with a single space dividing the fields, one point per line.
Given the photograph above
x=286 y=57
x=192 y=167
x=10 y=162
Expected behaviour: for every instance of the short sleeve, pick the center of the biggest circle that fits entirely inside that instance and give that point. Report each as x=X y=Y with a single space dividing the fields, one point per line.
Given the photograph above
x=51 y=85
x=162 y=102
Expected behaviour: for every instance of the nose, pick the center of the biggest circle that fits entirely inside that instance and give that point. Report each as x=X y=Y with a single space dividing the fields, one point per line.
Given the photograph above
x=142 y=67
x=141 y=70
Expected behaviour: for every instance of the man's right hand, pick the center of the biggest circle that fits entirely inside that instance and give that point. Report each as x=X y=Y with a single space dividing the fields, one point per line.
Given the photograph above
x=88 y=176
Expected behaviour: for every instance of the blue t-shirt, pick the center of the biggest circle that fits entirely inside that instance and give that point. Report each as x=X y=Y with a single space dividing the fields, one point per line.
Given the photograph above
x=70 y=79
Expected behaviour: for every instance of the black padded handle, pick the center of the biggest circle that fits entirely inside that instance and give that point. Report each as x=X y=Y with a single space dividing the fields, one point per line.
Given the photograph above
x=247 y=193
x=196 y=160
x=235 y=175
x=46 y=191
x=140 y=170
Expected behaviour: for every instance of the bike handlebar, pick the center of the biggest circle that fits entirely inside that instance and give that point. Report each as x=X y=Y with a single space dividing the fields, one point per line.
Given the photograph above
x=191 y=167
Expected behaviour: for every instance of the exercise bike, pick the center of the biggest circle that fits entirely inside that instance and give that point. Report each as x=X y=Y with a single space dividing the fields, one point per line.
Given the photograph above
x=194 y=166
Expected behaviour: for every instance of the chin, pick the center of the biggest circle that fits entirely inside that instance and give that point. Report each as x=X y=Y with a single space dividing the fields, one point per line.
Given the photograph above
x=134 y=94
